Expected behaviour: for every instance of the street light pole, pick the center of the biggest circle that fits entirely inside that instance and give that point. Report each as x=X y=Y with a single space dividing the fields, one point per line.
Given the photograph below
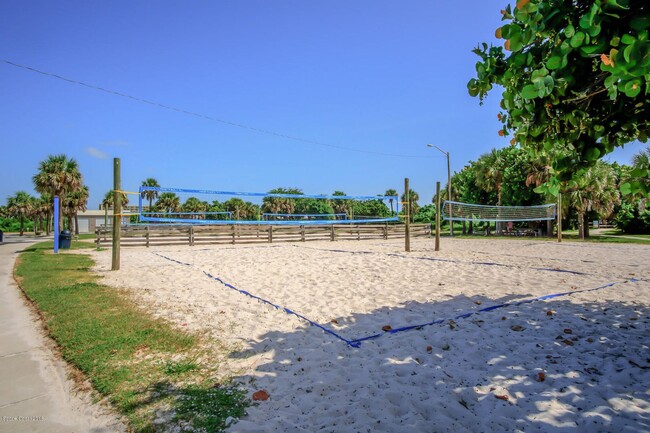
x=451 y=222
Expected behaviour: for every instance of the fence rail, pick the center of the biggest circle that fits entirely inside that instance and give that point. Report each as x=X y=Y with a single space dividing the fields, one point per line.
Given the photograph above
x=158 y=234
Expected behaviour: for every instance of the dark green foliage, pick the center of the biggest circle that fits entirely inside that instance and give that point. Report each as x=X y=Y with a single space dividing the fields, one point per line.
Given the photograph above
x=632 y=220
x=313 y=206
x=426 y=214
x=370 y=208
x=13 y=225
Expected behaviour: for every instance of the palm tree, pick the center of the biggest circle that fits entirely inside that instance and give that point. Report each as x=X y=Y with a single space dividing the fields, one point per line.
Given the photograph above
x=21 y=206
x=77 y=201
x=391 y=193
x=216 y=206
x=641 y=164
x=150 y=195
x=489 y=175
x=107 y=203
x=412 y=202
x=41 y=213
x=341 y=205
x=596 y=191
x=168 y=202
x=57 y=175
x=252 y=211
x=642 y=158
x=237 y=206
x=194 y=205
x=280 y=204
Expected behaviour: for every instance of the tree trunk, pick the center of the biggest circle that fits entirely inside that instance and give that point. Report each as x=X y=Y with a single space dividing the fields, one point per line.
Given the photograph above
x=465 y=227
x=47 y=224
x=581 y=225
x=471 y=227
x=76 y=224
x=585 y=226
x=22 y=225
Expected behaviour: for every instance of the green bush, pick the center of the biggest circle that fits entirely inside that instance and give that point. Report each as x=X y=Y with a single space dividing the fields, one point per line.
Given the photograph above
x=13 y=225
x=631 y=220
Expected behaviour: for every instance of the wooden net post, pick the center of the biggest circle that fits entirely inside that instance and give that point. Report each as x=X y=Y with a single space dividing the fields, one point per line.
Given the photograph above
x=407 y=216
x=438 y=216
x=117 y=211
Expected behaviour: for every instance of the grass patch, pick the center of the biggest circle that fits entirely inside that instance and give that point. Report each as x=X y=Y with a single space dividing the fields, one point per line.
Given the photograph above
x=606 y=239
x=148 y=369
x=569 y=236
x=172 y=368
x=616 y=232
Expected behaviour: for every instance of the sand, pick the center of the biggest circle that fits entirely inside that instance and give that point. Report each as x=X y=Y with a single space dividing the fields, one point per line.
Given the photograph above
x=574 y=363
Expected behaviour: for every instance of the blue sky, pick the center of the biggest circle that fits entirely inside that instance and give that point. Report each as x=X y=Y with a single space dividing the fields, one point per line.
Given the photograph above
x=374 y=81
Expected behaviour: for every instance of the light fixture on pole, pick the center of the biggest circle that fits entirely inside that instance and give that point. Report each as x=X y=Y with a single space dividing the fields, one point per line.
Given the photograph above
x=451 y=222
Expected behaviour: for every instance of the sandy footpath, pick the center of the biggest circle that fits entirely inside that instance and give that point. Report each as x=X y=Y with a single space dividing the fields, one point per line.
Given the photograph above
x=576 y=363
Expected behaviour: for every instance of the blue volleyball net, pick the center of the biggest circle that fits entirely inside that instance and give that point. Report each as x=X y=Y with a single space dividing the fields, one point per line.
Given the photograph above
x=193 y=206
x=303 y=216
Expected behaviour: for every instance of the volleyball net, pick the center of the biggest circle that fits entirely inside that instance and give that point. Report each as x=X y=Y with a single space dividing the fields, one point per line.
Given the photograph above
x=455 y=211
x=303 y=217
x=194 y=206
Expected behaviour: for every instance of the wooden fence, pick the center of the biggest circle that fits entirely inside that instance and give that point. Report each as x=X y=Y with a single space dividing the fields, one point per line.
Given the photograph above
x=157 y=235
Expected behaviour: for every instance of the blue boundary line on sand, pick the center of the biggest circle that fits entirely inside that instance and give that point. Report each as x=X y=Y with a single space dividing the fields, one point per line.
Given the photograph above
x=278 y=307
x=357 y=342
x=491 y=308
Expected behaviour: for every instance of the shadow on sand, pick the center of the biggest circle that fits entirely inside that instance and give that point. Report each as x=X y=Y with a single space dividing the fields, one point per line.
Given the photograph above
x=566 y=365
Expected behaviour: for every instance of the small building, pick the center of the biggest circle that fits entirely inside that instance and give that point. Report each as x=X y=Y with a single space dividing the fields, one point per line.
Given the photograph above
x=91 y=219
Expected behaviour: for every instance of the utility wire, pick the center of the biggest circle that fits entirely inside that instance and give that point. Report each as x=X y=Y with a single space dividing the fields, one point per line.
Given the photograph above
x=203 y=116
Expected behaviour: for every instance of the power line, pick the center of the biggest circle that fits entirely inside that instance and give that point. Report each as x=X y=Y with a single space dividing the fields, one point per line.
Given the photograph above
x=203 y=116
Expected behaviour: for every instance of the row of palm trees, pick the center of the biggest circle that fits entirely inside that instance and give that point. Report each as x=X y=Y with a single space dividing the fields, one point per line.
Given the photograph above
x=169 y=202
x=58 y=175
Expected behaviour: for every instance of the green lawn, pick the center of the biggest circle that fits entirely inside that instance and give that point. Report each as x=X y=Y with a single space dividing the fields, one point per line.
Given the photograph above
x=616 y=232
x=614 y=236
x=140 y=363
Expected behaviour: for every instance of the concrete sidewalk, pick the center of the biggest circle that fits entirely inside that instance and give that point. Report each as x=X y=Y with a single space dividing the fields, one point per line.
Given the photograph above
x=35 y=394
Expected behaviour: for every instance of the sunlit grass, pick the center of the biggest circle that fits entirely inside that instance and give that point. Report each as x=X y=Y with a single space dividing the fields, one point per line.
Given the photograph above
x=142 y=364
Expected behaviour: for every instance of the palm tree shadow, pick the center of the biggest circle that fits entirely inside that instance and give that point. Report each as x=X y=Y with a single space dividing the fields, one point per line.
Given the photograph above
x=558 y=366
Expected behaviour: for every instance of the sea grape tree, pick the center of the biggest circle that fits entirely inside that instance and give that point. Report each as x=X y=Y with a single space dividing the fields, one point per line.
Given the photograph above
x=575 y=76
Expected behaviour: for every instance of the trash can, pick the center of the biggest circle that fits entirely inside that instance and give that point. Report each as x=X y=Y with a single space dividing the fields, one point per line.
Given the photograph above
x=65 y=239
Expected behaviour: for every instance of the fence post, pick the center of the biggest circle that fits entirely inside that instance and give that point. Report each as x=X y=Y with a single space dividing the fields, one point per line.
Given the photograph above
x=270 y=234
x=407 y=216
x=146 y=235
x=559 y=217
x=117 y=213
x=332 y=235
x=437 y=216
x=191 y=235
